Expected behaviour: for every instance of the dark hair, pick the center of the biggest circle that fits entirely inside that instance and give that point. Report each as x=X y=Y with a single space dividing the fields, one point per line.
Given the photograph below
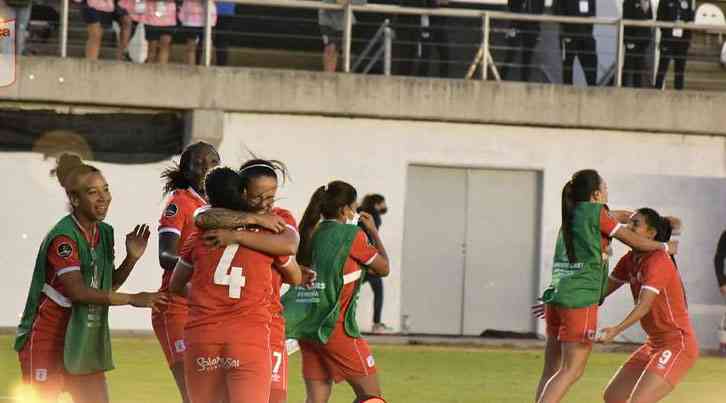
x=579 y=189
x=326 y=202
x=370 y=201
x=257 y=168
x=660 y=224
x=179 y=176
x=224 y=189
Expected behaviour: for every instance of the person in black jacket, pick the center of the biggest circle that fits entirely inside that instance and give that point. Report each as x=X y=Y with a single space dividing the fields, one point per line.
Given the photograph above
x=718 y=261
x=637 y=42
x=674 y=43
x=577 y=40
x=522 y=37
x=428 y=32
x=375 y=205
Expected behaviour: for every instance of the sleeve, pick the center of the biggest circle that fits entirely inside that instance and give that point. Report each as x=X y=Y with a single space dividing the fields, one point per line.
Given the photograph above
x=173 y=218
x=186 y=254
x=719 y=259
x=63 y=255
x=621 y=272
x=362 y=251
x=282 y=261
x=289 y=219
x=656 y=273
x=608 y=225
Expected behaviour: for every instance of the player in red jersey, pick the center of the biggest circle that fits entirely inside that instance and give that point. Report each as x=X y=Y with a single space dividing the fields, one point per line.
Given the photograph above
x=184 y=183
x=228 y=331
x=671 y=349
x=61 y=288
x=260 y=185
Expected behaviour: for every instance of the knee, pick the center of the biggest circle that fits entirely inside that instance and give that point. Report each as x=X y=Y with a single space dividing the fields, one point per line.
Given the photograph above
x=573 y=374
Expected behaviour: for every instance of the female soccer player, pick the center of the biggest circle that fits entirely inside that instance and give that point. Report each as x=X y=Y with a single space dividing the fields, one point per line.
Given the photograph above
x=323 y=318
x=671 y=349
x=228 y=331
x=579 y=279
x=259 y=187
x=63 y=338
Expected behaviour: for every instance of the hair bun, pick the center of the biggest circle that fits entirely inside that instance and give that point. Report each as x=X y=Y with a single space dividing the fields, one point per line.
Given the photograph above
x=65 y=164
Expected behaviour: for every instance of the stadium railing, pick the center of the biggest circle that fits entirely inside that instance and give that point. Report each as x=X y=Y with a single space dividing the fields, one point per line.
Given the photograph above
x=483 y=59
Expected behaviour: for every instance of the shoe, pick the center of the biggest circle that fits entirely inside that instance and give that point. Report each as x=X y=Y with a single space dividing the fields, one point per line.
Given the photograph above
x=381 y=328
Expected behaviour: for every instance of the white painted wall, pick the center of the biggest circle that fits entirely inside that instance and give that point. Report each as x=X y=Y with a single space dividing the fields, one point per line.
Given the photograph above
x=373 y=155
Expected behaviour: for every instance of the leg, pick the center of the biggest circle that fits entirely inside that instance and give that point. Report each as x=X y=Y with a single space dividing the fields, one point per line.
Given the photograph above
x=568 y=60
x=93 y=43
x=178 y=371
x=629 y=65
x=651 y=388
x=366 y=386
x=552 y=361
x=88 y=388
x=377 y=288
x=679 y=65
x=169 y=330
x=191 y=51
x=621 y=386
x=221 y=40
x=441 y=40
x=152 y=52
x=665 y=59
x=529 y=42
x=22 y=16
x=588 y=60
x=164 y=48
x=318 y=391
x=574 y=361
x=406 y=44
x=205 y=380
x=514 y=45
x=42 y=371
x=248 y=369
x=330 y=58
x=125 y=25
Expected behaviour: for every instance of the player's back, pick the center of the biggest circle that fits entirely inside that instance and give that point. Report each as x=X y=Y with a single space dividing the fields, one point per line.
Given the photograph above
x=230 y=286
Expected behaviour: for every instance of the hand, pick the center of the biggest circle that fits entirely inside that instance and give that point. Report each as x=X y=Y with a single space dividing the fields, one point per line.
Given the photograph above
x=672 y=247
x=676 y=225
x=367 y=221
x=538 y=311
x=220 y=237
x=136 y=241
x=153 y=300
x=723 y=290
x=308 y=276
x=272 y=222
x=607 y=335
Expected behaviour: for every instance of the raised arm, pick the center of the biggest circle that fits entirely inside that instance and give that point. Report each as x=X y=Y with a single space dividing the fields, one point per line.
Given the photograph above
x=282 y=244
x=642 y=244
x=136 y=242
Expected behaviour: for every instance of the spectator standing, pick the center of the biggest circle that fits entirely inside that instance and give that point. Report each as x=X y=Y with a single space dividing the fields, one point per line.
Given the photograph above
x=375 y=205
x=192 y=17
x=224 y=33
x=21 y=9
x=637 y=42
x=159 y=19
x=416 y=38
x=332 y=24
x=434 y=36
x=674 y=43
x=578 y=40
x=719 y=262
x=522 y=37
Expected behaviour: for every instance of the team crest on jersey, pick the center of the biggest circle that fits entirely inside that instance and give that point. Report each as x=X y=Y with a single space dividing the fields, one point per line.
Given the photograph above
x=65 y=250
x=180 y=346
x=171 y=210
x=370 y=361
x=41 y=375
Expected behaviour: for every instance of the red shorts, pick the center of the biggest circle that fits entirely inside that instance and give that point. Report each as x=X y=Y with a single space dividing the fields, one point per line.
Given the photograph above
x=278 y=390
x=343 y=357
x=241 y=366
x=571 y=325
x=169 y=330
x=670 y=361
x=42 y=367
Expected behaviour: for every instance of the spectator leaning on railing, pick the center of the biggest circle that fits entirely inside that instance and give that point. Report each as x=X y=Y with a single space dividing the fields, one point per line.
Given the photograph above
x=522 y=37
x=331 y=28
x=159 y=19
x=674 y=43
x=637 y=42
x=578 y=40
x=99 y=14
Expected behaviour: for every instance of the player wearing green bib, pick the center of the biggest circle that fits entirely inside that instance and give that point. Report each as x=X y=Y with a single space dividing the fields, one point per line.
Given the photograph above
x=579 y=279
x=63 y=339
x=323 y=317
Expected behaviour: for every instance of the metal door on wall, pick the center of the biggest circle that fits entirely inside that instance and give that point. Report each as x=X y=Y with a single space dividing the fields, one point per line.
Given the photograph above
x=470 y=256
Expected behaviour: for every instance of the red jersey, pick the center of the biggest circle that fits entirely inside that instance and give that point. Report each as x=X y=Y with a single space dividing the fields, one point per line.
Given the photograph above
x=608 y=227
x=668 y=319
x=54 y=312
x=361 y=253
x=230 y=287
x=178 y=218
x=276 y=305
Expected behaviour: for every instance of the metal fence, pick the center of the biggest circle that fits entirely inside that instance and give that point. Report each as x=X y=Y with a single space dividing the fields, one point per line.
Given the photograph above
x=486 y=21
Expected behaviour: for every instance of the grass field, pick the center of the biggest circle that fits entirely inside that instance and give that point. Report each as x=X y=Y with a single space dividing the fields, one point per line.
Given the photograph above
x=409 y=374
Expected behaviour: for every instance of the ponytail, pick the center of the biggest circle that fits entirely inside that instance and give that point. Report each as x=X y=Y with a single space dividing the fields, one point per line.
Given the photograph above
x=579 y=189
x=309 y=221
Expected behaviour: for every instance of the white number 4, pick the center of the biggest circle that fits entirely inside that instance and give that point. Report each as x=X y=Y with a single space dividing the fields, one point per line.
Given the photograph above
x=234 y=279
